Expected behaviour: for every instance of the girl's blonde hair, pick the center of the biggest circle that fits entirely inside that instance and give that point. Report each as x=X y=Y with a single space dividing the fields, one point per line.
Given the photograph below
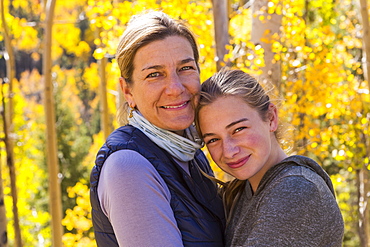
x=236 y=83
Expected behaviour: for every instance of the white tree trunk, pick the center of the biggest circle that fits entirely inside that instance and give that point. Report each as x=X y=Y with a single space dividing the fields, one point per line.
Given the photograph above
x=51 y=139
x=362 y=188
x=3 y=220
x=364 y=174
x=7 y=115
x=366 y=39
x=264 y=26
x=103 y=98
x=221 y=27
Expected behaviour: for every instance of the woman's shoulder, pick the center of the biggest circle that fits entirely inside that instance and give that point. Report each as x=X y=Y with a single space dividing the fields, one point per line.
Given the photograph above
x=129 y=163
x=125 y=167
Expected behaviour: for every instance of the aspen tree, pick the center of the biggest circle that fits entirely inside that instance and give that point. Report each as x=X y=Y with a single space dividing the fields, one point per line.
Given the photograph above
x=8 y=126
x=51 y=142
x=265 y=26
x=366 y=38
x=363 y=172
x=221 y=27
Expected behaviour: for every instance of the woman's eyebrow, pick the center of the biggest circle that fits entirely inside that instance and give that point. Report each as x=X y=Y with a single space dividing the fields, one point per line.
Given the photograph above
x=153 y=67
x=184 y=61
x=187 y=60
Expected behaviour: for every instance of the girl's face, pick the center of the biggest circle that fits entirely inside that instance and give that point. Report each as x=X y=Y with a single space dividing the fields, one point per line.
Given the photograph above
x=165 y=82
x=239 y=141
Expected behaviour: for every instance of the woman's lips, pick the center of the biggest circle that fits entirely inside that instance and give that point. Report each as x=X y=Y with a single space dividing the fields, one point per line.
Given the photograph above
x=181 y=105
x=238 y=163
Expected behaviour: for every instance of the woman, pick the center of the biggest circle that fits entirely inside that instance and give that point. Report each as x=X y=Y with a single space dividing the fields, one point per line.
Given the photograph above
x=275 y=200
x=146 y=186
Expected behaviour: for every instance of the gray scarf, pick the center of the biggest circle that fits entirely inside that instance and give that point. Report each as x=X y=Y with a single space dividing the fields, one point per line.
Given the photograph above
x=182 y=148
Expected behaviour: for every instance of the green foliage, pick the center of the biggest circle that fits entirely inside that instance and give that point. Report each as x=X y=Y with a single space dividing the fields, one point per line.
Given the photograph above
x=73 y=134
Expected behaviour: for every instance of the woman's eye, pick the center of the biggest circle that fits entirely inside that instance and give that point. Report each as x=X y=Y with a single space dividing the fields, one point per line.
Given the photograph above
x=186 y=68
x=155 y=74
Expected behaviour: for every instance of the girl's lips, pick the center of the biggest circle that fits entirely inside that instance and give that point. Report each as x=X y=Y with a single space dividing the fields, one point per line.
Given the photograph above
x=238 y=163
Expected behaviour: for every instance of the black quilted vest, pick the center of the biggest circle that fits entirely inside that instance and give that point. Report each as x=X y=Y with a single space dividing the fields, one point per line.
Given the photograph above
x=197 y=207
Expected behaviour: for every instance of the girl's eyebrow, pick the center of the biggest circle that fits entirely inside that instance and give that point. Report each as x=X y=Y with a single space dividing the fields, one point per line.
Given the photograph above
x=207 y=134
x=227 y=127
x=236 y=122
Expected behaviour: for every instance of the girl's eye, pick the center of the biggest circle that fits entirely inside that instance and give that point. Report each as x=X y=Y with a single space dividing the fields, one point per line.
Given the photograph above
x=211 y=141
x=155 y=74
x=239 y=129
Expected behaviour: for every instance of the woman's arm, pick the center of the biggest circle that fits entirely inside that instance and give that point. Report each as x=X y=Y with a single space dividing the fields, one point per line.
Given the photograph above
x=137 y=201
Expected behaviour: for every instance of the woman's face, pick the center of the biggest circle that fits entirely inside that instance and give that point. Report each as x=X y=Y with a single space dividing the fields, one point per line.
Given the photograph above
x=239 y=141
x=165 y=83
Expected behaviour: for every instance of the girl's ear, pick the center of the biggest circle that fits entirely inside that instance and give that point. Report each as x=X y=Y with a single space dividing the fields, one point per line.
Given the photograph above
x=127 y=92
x=273 y=117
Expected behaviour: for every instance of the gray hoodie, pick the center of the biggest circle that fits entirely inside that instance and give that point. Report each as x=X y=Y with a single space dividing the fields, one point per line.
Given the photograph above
x=294 y=205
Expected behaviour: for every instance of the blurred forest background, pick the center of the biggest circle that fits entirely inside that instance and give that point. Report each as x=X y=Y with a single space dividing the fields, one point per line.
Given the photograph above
x=59 y=94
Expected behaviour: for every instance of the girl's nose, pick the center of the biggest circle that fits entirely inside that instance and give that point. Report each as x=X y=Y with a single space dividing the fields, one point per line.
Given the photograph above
x=230 y=149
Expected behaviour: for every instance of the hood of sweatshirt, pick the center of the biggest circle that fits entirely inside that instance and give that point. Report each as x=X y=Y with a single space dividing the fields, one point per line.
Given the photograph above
x=295 y=160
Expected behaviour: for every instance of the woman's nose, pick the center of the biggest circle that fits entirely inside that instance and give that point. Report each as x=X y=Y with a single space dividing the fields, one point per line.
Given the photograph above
x=175 y=85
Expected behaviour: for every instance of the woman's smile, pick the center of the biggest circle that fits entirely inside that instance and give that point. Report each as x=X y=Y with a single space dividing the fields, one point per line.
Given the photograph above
x=176 y=106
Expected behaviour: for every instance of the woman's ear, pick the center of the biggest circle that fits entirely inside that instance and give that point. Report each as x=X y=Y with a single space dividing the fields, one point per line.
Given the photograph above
x=273 y=117
x=127 y=92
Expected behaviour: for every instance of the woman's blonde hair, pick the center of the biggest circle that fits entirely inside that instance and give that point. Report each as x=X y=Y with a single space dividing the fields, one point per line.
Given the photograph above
x=141 y=30
x=228 y=82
